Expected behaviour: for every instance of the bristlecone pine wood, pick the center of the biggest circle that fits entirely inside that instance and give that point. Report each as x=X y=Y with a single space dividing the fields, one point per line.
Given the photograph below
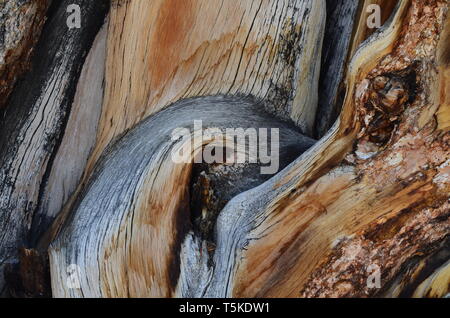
x=92 y=203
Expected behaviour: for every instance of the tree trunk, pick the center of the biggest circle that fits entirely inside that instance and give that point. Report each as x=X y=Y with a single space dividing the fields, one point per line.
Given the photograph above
x=207 y=148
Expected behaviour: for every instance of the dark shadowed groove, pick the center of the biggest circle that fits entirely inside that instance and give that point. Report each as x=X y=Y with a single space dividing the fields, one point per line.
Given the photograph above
x=336 y=46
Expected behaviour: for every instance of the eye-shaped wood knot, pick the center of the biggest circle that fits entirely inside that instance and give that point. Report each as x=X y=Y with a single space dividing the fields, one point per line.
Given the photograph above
x=387 y=98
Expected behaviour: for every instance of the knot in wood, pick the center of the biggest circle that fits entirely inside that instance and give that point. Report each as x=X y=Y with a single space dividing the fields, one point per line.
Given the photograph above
x=388 y=95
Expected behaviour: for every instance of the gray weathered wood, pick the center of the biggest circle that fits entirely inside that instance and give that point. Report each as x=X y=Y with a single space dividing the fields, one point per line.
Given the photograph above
x=131 y=170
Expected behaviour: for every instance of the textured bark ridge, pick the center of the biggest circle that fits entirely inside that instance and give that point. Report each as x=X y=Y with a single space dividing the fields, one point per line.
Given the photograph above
x=21 y=23
x=346 y=29
x=94 y=204
x=34 y=120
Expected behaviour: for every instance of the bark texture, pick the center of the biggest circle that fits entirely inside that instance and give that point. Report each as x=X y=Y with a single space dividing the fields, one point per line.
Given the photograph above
x=21 y=23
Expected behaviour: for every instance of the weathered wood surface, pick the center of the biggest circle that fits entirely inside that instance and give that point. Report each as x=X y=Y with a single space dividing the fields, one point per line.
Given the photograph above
x=367 y=210
x=78 y=141
x=21 y=23
x=236 y=49
x=127 y=226
x=373 y=191
x=90 y=144
x=34 y=120
x=162 y=51
x=347 y=28
x=363 y=30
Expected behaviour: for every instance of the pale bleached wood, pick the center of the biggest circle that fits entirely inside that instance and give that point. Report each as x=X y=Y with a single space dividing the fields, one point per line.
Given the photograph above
x=435 y=286
x=350 y=201
x=293 y=223
x=363 y=31
x=266 y=49
x=78 y=141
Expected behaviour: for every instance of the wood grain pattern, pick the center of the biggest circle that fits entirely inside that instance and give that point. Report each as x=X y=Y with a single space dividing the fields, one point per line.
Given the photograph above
x=34 y=120
x=341 y=17
x=126 y=228
x=289 y=218
x=78 y=140
x=268 y=49
x=304 y=247
x=90 y=189
x=363 y=31
x=373 y=191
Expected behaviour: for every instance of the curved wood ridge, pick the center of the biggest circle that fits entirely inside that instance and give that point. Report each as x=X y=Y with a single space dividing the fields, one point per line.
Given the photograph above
x=179 y=49
x=128 y=224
